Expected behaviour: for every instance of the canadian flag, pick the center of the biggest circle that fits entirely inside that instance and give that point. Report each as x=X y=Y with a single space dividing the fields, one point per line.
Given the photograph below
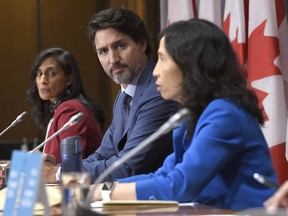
x=258 y=32
x=267 y=74
x=181 y=10
x=211 y=11
x=234 y=25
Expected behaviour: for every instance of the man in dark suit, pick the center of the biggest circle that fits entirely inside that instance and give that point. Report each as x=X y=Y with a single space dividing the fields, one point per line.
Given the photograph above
x=122 y=44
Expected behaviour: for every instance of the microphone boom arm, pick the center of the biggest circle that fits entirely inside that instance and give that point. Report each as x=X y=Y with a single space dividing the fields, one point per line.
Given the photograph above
x=6 y=129
x=48 y=140
x=16 y=121
x=72 y=121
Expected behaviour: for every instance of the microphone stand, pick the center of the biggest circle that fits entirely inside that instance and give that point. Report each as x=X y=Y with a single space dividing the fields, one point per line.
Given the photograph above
x=16 y=121
x=6 y=129
x=173 y=122
x=48 y=140
x=72 y=121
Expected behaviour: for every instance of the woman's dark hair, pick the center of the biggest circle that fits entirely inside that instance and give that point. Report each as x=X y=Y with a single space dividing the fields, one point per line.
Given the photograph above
x=122 y=20
x=44 y=109
x=209 y=66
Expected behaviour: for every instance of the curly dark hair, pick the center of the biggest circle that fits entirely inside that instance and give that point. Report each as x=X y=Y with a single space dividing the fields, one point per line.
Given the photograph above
x=44 y=109
x=209 y=66
x=122 y=20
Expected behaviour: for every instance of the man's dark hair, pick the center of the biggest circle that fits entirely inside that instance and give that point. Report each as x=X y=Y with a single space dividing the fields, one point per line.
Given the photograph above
x=122 y=20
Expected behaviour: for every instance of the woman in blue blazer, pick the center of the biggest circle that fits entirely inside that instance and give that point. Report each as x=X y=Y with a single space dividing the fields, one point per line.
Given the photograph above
x=220 y=146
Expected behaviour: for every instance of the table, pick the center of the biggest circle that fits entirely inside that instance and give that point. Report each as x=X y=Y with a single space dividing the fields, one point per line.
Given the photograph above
x=195 y=209
x=54 y=194
x=183 y=210
x=146 y=210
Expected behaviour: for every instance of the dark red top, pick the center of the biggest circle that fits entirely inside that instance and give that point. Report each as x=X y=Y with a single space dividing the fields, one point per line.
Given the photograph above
x=88 y=128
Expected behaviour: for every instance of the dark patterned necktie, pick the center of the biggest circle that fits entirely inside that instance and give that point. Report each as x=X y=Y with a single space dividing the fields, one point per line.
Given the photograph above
x=122 y=112
x=125 y=107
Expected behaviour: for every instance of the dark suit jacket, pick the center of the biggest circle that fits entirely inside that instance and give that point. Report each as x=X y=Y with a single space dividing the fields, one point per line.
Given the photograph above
x=147 y=113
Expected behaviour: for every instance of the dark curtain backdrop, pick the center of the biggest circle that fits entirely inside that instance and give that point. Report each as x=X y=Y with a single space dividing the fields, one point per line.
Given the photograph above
x=27 y=27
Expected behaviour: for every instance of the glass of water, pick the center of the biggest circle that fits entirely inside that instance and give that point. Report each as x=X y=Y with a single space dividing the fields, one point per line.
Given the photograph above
x=4 y=170
x=75 y=187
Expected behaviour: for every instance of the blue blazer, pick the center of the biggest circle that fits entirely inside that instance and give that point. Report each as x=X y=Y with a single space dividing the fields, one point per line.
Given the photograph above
x=216 y=166
x=147 y=113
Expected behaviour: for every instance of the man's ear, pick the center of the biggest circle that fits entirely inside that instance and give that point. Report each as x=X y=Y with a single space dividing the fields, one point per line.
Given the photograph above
x=143 y=45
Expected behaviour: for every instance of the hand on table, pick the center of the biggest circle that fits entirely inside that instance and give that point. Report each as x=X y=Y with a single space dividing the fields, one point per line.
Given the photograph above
x=279 y=199
x=49 y=168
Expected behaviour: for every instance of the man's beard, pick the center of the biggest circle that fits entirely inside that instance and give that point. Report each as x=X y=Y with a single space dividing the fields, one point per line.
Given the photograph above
x=124 y=78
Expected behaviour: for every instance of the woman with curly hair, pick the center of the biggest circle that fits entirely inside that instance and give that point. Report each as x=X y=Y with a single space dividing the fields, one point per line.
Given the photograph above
x=57 y=94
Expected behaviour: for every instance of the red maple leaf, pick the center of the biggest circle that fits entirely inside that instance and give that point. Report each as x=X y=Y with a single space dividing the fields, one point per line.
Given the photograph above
x=239 y=48
x=262 y=51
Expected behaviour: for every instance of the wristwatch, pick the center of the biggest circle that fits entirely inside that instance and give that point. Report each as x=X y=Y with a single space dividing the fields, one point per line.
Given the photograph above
x=106 y=190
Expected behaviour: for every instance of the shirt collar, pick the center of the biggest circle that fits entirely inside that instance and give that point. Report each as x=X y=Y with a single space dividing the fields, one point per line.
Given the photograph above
x=130 y=90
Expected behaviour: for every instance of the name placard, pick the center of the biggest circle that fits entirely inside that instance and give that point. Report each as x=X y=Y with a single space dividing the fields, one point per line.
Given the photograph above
x=25 y=185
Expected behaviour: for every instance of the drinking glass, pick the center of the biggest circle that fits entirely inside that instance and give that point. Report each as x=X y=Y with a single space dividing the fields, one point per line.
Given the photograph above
x=75 y=187
x=4 y=170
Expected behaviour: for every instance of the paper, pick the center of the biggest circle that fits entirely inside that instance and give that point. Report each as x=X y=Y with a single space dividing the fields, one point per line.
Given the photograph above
x=134 y=206
x=100 y=204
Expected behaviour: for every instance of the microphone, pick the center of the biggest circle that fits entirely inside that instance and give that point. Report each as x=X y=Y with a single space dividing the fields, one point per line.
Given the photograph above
x=72 y=121
x=173 y=122
x=19 y=118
